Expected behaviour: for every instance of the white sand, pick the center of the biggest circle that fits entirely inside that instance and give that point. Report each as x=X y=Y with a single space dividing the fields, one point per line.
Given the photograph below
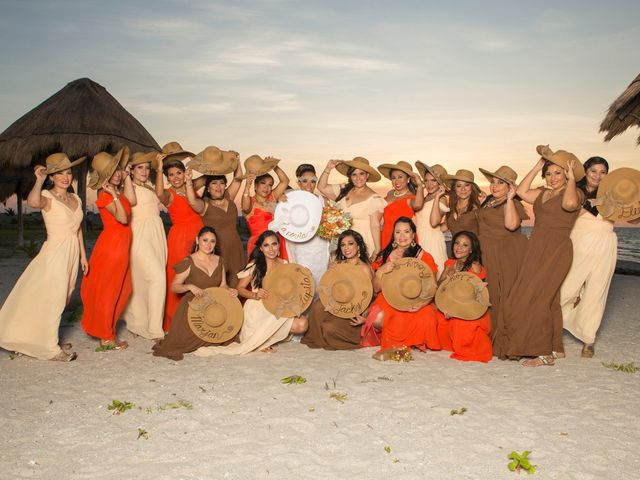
x=581 y=420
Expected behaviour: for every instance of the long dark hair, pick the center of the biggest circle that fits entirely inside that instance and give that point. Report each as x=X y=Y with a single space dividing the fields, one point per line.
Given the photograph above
x=412 y=251
x=582 y=183
x=362 y=247
x=476 y=253
x=48 y=183
x=209 y=179
x=348 y=187
x=258 y=258
x=410 y=185
x=262 y=177
x=202 y=231
x=474 y=201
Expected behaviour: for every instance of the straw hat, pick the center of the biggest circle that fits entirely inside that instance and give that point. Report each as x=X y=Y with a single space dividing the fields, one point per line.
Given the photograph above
x=139 y=158
x=438 y=172
x=463 y=296
x=345 y=290
x=618 y=196
x=386 y=168
x=290 y=288
x=216 y=316
x=410 y=283
x=298 y=218
x=174 y=152
x=461 y=175
x=213 y=161
x=504 y=173
x=104 y=165
x=57 y=162
x=360 y=163
x=562 y=158
x=256 y=165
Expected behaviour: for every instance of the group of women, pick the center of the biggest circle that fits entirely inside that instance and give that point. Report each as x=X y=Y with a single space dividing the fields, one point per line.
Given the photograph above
x=536 y=286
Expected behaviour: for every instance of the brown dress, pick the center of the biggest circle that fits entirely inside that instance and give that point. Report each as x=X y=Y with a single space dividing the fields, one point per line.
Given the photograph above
x=330 y=332
x=502 y=255
x=229 y=243
x=467 y=222
x=181 y=339
x=532 y=315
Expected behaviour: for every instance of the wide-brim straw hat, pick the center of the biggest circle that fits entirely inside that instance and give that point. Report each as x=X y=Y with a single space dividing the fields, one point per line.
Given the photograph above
x=213 y=161
x=345 y=290
x=57 y=162
x=361 y=163
x=463 y=296
x=461 y=175
x=409 y=284
x=504 y=173
x=256 y=165
x=174 y=153
x=216 y=316
x=104 y=165
x=618 y=197
x=298 y=218
x=562 y=158
x=386 y=168
x=290 y=288
x=437 y=171
x=139 y=158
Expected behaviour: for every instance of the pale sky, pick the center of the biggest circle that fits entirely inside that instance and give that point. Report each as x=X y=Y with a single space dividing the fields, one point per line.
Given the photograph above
x=466 y=84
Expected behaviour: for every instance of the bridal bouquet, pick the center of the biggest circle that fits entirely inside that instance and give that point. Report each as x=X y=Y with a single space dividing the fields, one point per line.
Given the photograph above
x=333 y=221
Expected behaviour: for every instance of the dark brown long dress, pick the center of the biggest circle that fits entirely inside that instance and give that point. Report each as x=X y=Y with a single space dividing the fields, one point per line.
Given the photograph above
x=502 y=255
x=467 y=222
x=330 y=332
x=229 y=243
x=532 y=315
x=181 y=339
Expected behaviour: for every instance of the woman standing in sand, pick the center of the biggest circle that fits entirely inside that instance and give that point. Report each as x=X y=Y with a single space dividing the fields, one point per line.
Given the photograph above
x=106 y=289
x=30 y=316
x=459 y=213
x=357 y=198
x=595 y=245
x=532 y=325
x=148 y=257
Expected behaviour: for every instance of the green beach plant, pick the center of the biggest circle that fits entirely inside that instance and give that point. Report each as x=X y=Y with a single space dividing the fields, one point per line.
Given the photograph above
x=521 y=462
x=119 y=407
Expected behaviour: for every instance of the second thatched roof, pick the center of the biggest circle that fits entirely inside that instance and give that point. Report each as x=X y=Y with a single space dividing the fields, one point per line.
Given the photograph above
x=623 y=112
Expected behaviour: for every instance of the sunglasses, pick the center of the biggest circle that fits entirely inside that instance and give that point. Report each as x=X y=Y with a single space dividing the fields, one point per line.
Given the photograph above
x=308 y=179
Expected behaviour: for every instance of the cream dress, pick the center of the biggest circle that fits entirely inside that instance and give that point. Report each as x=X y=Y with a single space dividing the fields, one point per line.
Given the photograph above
x=148 y=260
x=260 y=329
x=360 y=216
x=431 y=239
x=30 y=317
x=595 y=250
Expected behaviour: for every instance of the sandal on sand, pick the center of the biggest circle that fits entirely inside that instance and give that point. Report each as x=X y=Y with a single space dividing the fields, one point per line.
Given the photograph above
x=117 y=344
x=557 y=355
x=383 y=355
x=271 y=349
x=66 y=346
x=588 y=350
x=541 y=361
x=65 y=357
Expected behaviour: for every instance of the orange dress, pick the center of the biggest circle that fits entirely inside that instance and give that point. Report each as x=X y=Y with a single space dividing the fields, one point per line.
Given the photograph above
x=393 y=211
x=105 y=291
x=186 y=224
x=400 y=328
x=467 y=339
x=258 y=222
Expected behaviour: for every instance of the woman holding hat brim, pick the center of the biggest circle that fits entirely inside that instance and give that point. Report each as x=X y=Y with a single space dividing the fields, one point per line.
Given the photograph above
x=106 y=289
x=415 y=327
x=357 y=198
x=532 y=325
x=185 y=222
x=218 y=210
x=201 y=270
x=30 y=316
x=431 y=238
x=326 y=330
x=404 y=200
x=584 y=292
x=464 y=200
x=261 y=329
x=503 y=244
x=148 y=256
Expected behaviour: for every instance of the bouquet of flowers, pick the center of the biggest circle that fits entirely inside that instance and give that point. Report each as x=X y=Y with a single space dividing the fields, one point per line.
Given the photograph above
x=333 y=221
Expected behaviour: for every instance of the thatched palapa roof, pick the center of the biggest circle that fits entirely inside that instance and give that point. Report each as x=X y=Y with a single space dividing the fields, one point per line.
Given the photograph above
x=623 y=112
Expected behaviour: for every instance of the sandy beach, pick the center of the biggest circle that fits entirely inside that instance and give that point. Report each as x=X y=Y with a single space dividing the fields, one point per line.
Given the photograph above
x=232 y=418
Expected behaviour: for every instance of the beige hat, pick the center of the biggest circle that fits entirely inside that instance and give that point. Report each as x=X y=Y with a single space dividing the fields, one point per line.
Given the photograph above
x=213 y=161
x=57 y=162
x=174 y=152
x=360 y=163
x=461 y=175
x=386 y=168
x=410 y=283
x=438 y=172
x=463 y=296
x=139 y=158
x=345 y=290
x=504 y=173
x=562 y=158
x=104 y=165
x=618 y=196
x=216 y=316
x=256 y=165
x=290 y=288
x=298 y=218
